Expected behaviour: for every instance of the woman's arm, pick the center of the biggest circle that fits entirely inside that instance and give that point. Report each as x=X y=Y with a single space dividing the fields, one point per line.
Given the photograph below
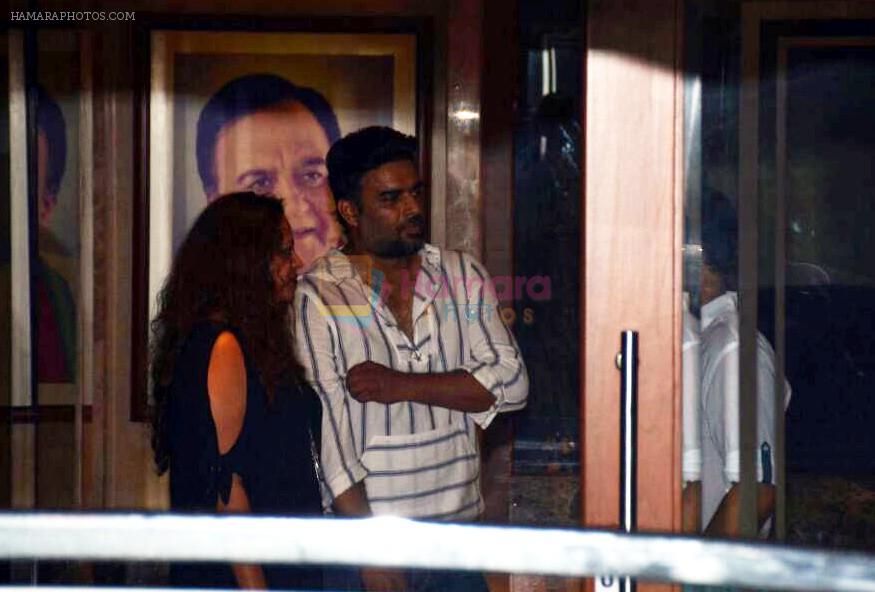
x=248 y=575
x=226 y=385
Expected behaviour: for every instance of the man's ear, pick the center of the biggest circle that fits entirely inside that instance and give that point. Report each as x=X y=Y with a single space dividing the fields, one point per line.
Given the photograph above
x=349 y=212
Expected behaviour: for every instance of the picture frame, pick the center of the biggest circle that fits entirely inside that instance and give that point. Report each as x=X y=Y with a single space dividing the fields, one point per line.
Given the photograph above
x=51 y=268
x=370 y=73
x=52 y=218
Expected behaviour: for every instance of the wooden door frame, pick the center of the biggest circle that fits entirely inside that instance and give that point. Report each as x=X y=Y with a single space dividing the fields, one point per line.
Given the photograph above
x=632 y=237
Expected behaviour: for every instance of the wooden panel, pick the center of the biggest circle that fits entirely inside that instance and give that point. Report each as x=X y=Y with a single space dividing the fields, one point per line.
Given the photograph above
x=56 y=463
x=632 y=242
x=23 y=466
x=95 y=433
x=496 y=224
x=128 y=470
x=499 y=92
x=464 y=61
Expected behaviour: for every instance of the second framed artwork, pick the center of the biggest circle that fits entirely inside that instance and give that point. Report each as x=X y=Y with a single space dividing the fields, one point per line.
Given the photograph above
x=257 y=111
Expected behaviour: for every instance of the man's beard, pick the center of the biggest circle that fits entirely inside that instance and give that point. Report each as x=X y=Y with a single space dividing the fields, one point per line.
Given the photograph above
x=397 y=248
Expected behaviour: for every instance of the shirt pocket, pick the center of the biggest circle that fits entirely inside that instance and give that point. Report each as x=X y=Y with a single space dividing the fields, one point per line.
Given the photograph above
x=428 y=474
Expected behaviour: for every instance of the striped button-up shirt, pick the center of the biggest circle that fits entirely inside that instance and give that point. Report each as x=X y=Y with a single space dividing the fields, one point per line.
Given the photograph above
x=416 y=460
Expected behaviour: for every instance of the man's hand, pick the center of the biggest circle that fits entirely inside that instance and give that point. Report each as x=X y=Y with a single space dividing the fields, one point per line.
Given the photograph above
x=354 y=503
x=691 y=515
x=370 y=381
x=456 y=389
x=725 y=521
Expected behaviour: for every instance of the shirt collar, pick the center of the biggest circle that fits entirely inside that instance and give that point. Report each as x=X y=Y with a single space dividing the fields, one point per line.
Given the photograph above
x=430 y=257
x=336 y=266
x=333 y=267
x=726 y=303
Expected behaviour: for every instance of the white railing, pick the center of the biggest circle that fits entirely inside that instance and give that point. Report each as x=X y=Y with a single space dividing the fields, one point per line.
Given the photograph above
x=394 y=542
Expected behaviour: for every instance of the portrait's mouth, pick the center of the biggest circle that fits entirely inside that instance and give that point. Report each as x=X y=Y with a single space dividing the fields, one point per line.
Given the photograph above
x=315 y=229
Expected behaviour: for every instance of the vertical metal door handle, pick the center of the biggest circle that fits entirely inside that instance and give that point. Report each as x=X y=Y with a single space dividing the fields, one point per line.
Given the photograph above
x=627 y=364
x=628 y=438
x=628 y=428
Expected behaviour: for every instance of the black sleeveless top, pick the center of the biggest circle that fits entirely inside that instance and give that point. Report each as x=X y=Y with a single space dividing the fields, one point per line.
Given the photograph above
x=273 y=455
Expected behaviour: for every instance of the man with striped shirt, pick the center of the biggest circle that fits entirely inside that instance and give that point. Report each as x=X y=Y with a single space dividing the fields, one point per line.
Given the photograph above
x=404 y=343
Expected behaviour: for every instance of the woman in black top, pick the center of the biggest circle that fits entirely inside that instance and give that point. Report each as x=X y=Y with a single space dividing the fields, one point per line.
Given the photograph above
x=234 y=423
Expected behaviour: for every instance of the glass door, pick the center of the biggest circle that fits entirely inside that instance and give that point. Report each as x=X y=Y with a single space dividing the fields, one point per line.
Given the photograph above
x=778 y=213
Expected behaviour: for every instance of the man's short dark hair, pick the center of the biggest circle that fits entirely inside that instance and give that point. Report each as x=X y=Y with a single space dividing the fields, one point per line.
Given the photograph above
x=244 y=96
x=352 y=157
x=50 y=121
x=720 y=236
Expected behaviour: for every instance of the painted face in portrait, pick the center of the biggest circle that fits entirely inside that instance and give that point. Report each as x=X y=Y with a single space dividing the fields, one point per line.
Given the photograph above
x=281 y=151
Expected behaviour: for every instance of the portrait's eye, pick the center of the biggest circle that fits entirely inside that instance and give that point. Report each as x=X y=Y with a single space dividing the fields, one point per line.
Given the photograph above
x=261 y=184
x=312 y=177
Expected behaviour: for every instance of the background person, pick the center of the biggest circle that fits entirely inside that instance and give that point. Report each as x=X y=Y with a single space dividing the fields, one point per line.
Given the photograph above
x=233 y=423
x=691 y=432
x=720 y=391
x=262 y=133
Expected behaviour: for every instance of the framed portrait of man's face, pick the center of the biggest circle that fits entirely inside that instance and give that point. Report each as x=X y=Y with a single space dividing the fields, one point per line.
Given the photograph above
x=236 y=111
x=58 y=215
x=47 y=263
x=52 y=212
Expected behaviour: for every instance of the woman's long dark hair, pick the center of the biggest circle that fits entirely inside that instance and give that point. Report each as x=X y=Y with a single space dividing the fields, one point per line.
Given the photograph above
x=222 y=272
